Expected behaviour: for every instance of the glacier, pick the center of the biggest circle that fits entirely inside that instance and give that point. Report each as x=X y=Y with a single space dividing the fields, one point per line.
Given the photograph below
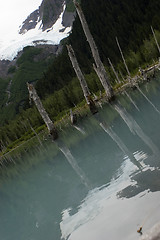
x=52 y=36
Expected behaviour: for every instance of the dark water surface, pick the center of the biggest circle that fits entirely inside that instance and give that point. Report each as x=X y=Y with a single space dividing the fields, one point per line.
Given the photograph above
x=103 y=183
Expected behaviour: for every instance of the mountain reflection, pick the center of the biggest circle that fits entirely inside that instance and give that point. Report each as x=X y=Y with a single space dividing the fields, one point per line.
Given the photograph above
x=146 y=180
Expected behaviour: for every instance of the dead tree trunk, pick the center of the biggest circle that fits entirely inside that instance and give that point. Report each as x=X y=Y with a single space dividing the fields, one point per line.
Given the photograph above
x=38 y=138
x=154 y=35
x=33 y=95
x=82 y=80
x=99 y=68
x=128 y=72
x=32 y=131
x=122 y=76
x=114 y=70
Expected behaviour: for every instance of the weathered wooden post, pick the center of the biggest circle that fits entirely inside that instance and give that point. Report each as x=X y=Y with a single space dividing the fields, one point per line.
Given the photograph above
x=99 y=67
x=82 y=80
x=154 y=35
x=124 y=61
x=73 y=117
x=143 y=74
x=33 y=95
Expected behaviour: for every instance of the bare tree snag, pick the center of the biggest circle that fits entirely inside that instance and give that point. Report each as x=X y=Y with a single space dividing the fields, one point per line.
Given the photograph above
x=154 y=35
x=122 y=76
x=24 y=124
x=82 y=80
x=116 y=74
x=33 y=95
x=38 y=138
x=128 y=72
x=78 y=72
x=100 y=70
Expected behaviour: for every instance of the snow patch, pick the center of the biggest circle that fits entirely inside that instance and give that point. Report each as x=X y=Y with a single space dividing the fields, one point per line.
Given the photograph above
x=30 y=21
x=9 y=49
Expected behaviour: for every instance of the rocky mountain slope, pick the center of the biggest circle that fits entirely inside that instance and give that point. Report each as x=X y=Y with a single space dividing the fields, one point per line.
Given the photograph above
x=55 y=81
x=30 y=54
x=47 y=25
x=47 y=14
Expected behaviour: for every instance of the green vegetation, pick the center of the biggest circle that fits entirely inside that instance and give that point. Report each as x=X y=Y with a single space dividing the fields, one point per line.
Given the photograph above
x=70 y=6
x=3 y=95
x=130 y=21
x=55 y=80
x=27 y=69
x=12 y=69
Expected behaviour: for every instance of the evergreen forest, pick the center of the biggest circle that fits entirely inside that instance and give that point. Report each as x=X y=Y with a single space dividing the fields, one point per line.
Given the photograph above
x=54 y=78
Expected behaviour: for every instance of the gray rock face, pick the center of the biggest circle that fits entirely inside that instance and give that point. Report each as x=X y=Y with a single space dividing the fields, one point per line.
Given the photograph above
x=68 y=18
x=4 y=66
x=48 y=13
x=30 y=22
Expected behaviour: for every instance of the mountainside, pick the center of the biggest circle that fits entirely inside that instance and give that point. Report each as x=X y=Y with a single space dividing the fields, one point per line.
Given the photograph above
x=130 y=21
x=44 y=29
x=53 y=75
x=47 y=14
x=45 y=25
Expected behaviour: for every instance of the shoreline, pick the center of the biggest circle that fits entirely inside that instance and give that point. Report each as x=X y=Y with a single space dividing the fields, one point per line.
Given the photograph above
x=142 y=76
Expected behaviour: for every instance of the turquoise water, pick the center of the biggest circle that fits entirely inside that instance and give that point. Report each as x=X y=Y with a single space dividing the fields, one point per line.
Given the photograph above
x=99 y=181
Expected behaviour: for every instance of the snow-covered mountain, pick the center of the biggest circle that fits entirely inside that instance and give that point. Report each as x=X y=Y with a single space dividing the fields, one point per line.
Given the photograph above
x=48 y=24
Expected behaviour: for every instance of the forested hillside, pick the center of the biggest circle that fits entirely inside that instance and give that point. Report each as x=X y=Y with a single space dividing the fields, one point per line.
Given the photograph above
x=129 y=20
x=30 y=66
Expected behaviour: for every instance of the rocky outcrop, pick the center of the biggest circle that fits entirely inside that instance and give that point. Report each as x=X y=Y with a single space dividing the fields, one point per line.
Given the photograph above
x=68 y=18
x=30 y=22
x=48 y=51
x=48 y=13
x=4 y=66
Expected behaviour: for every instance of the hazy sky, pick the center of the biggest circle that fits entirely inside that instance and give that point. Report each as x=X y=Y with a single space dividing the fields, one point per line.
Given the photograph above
x=13 y=13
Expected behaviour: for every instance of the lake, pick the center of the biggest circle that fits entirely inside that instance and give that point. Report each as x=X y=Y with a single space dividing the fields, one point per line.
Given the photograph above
x=100 y=180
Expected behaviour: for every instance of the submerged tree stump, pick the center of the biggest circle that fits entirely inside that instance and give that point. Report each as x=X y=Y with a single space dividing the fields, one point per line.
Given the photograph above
x=73 y=117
